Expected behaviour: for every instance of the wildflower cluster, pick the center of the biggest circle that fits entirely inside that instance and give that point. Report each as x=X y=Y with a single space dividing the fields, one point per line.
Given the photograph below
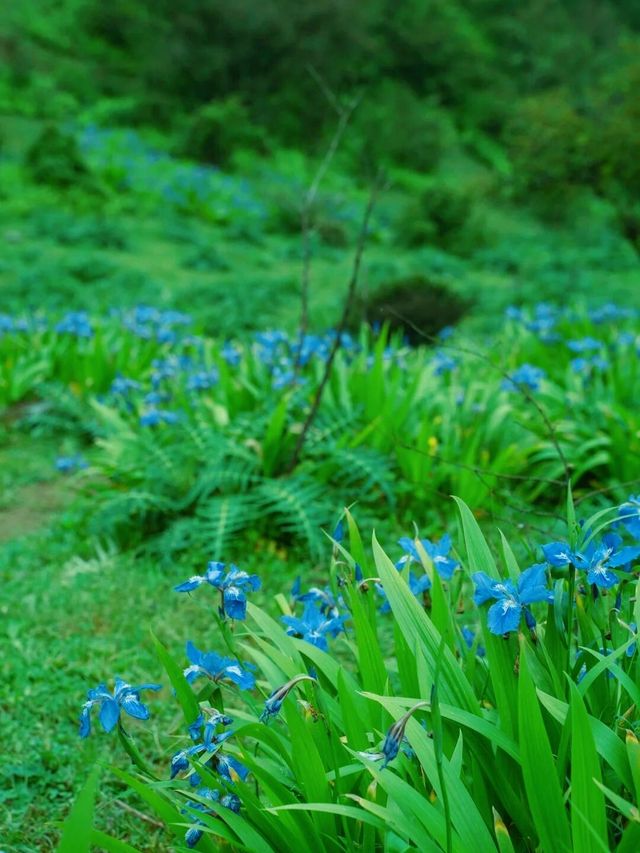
x=291 y=758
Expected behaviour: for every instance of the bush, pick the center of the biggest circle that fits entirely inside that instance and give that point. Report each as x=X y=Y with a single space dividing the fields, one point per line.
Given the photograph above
x=205 y=258
x=442 y=216
x=55 y=159
x=549 y=142
x=217 y=130
x=393 y=125
x=428 y=306
x=615 y=134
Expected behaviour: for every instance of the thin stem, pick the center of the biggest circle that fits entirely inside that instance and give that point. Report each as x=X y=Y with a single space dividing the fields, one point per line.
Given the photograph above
x=572 y=584
x=345 y=114
x=342 y=325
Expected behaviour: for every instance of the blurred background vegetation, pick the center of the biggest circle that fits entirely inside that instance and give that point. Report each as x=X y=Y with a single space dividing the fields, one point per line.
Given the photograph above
x=509 y=131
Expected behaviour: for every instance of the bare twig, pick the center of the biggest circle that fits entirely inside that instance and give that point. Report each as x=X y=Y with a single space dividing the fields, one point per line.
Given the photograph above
x=141 y=815
x=476 y=469
x=519 y=387
x=324 y=88
x=344 y=116
x=605 y=489
x=342 y=325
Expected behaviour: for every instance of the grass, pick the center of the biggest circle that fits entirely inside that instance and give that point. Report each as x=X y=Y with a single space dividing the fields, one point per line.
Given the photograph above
x=73 y=611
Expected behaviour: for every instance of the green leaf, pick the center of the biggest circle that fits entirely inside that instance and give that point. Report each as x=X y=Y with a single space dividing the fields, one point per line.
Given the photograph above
x=164 y=809
x=111 y=844
x=465 y=817
x=608 y=662
x=251 y=840
x=416 y=818
x=509 y=559
x=131 y=748
x=505 y=845
x=184 y=693
x=608 y=744
x=630 y=841
x=628 y=810
x=353 y=716
x=309 y=769
x=538 y=769
x=371 y=663
x=479 y=556
x=355 y=543
x=587 y=800
x=500 y=653
x=334 y=809
x=77 y=828
x=633 y=751
x=414 y=623
x=272 y=445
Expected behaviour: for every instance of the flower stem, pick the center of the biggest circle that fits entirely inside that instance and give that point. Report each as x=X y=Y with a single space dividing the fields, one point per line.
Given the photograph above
x=572 y=584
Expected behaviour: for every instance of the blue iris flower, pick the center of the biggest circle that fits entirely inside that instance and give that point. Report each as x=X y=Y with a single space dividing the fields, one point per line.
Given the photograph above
x=229 y=767
x=629 y=515
x=443 y=363
x=325 y=599
x=230 y=354
x=154 y=417
x=314 y=626
x=217 y=667
x=395 y=735
x=231 y=585
x=584 y=345
x=469 y=638
x=124 y=698
x=526 y=375
x=201 y=380
x=66 y=464
x=121 y=386
x=207 y=731
x=510 y=601
x=438 y=553
x=75 y=323
x=274 y=700
x=596 y=559
x=180 y=761
x=418 y=584
x=632 y=648
x=228 y=801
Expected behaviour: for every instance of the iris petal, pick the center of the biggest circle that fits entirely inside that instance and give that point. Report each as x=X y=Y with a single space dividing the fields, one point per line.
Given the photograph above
x=504 y=616
x=109 y=714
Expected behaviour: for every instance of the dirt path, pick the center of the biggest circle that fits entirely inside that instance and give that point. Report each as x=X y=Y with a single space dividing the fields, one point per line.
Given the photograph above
x=34 y=506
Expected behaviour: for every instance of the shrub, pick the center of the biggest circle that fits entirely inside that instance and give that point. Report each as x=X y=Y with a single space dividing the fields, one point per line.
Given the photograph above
x=413 y=304
x=615 y=134
x=55 y=159
x=441 y=216
x=217 y=130
x=395 y=126
x=549 y=142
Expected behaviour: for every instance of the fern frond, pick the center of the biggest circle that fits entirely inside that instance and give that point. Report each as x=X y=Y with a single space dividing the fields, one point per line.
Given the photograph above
x=220 y=518
x=298 y=506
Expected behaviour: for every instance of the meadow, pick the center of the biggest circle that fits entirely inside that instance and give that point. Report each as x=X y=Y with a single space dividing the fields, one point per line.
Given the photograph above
x=278 y=575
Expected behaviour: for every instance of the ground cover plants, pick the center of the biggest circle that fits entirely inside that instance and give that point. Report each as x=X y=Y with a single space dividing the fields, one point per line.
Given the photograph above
x=442 y=749
x=145 y=410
